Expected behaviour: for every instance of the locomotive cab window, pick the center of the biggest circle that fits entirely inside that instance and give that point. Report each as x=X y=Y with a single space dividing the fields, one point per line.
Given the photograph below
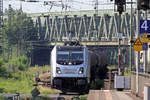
x=69 y=57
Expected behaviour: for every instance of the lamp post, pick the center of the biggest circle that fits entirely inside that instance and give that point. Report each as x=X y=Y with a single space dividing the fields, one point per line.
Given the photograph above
x=145 y=51
x=119 y=50
x=131 y=36
x=119 y=56
x=137 y=53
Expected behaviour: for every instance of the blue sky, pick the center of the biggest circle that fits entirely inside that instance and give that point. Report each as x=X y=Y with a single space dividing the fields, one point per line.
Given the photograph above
x=73 y=5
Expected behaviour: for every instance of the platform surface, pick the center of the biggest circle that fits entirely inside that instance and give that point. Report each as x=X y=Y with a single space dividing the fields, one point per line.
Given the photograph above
x=111 y=95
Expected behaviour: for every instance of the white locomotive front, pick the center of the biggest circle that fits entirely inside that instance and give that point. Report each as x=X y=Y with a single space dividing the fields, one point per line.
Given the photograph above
x=70 y=70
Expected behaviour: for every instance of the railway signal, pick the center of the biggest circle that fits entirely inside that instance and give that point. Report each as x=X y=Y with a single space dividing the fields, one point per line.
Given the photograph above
x=144 y=4
x=121 y=5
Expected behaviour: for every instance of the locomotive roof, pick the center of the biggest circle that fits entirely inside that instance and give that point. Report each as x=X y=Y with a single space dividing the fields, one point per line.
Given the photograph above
x=70 y=47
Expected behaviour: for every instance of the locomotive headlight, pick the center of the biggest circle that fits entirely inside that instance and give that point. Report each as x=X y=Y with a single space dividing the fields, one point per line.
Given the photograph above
x=81 y=70
x=58 y=70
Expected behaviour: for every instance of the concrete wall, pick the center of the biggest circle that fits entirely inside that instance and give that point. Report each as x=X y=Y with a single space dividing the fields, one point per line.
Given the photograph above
x=143 y=78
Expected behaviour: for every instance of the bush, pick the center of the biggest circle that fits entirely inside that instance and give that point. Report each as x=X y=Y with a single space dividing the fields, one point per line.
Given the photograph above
x=2 y=90
x=3 y=70
x=19 y=63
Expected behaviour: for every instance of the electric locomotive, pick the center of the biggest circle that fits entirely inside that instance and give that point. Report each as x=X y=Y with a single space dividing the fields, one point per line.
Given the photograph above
x=70 y=68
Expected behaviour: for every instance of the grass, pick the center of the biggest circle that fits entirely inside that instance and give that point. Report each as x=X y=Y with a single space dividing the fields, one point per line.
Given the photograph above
x=21 y=85
x=84 y=97
x=22 y=81
x=1 y=98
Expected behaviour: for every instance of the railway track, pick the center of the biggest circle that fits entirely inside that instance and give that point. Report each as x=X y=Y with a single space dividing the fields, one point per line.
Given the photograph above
x=68 y=97
x=44 y=81
x=59 y=96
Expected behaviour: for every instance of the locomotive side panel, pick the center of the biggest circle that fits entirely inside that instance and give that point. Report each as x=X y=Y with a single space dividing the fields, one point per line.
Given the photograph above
x=53 y=64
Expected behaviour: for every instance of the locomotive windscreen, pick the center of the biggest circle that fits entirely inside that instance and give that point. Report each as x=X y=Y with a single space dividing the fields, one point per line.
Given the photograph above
x=69 y=55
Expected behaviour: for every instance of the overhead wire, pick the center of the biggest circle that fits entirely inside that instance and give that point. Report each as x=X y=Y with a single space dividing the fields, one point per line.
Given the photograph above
x=79 y=2
x=68 y=5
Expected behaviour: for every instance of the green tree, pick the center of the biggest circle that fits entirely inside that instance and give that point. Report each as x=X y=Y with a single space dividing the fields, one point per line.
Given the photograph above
x=18 y=31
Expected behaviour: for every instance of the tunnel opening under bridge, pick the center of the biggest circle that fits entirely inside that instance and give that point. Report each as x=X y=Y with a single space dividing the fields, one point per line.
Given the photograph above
x=41 y=55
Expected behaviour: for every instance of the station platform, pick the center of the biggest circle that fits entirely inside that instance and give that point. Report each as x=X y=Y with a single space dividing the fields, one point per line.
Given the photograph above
x=111 y=95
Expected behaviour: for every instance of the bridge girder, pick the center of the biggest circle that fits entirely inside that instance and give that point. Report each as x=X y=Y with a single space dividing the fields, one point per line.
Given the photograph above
x=85 y=28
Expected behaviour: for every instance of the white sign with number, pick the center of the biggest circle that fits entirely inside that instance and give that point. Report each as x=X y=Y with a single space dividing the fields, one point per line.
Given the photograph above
x=144 y=26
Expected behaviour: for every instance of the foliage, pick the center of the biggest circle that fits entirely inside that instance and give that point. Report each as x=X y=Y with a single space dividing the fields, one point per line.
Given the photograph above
x=19 y=27
x=16 y=75
x=18 y=63
x=2 y=98
x=3 y=70
x=83 y=97
x=21 y=81
x=12 y=85
x=17 y=31
x=9 y=68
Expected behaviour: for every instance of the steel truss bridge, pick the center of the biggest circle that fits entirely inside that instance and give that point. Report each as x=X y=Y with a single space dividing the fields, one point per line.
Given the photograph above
x=101 y=31
x=95 y=29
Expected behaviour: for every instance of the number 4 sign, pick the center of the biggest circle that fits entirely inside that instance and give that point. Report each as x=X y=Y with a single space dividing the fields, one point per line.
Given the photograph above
x=144 y=26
